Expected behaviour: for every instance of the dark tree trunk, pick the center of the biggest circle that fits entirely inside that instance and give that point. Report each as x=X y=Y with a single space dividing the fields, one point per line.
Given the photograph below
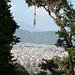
x=71 y=65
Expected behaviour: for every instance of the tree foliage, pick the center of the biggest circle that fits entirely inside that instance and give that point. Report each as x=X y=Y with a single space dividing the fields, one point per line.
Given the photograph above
x=7 y=39
x=20 y=70
x=64 y=17
x=56 y=66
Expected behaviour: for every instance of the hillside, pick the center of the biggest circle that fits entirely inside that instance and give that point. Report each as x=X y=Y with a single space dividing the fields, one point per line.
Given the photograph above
x=46 y=37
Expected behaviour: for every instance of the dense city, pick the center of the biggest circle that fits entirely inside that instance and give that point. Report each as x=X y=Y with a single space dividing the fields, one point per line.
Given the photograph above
x=31 y=55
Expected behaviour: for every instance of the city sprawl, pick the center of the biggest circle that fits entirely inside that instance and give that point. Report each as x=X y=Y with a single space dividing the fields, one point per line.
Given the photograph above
x=30 y=55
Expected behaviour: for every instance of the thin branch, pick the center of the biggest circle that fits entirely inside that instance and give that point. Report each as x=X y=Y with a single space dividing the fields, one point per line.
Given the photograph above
x=48 y=12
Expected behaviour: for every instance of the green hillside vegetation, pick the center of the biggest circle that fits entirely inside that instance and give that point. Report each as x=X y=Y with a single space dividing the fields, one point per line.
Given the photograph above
x=45 y=37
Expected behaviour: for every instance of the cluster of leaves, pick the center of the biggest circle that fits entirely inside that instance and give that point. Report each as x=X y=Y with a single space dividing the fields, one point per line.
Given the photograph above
x=55 y=66
x=7 y=39
x=20 y=70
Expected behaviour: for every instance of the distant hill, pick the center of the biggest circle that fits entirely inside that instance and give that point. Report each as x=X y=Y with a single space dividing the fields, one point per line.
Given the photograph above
x=46 y=37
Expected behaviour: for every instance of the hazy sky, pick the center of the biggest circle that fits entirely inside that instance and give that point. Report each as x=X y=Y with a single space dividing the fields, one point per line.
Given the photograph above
x=25 y=14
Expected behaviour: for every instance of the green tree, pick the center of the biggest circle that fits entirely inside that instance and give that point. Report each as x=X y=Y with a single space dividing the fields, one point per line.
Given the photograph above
x=20 y=70
x=53 y=66
x=7 y=39
x=56 y=66
x=49 y=65
x=64 y=17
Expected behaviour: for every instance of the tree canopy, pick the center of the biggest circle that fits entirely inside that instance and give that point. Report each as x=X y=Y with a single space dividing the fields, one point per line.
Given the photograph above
x=7 y=39
x=64 y=17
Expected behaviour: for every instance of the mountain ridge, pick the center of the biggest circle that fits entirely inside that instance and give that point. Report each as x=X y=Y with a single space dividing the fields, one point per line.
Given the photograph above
x=44 y=37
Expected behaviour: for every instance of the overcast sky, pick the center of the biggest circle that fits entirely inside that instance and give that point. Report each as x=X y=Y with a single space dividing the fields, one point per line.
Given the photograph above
x=25 y=14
